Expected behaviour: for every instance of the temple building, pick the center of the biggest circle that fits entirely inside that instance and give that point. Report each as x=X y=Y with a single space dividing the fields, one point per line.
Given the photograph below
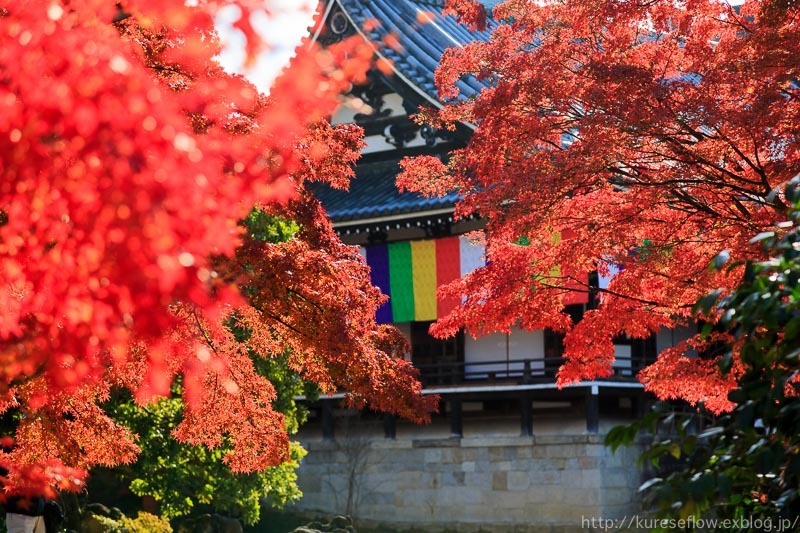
x=508 y=448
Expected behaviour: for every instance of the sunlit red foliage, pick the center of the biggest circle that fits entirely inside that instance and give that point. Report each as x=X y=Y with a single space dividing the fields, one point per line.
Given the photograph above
x=127 y=159
x=658 y=132
x=469 y=12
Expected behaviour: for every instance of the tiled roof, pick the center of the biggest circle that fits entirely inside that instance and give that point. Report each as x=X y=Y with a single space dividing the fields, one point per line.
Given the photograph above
x=373 y=194
x=424 y=34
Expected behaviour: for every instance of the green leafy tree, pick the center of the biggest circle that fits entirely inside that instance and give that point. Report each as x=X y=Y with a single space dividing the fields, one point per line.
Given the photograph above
x=187 y=479
x=744 y=465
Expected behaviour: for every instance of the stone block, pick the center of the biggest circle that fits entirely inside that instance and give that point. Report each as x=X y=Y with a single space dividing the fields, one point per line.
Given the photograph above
x=436 y=443
x=558 y=514
x=502 y=465
x=518 y=480
x=589 y=498
x=591 y=478
x=392 y=444
x=319 y=445
x=524 y=453
x=453 y=455
x=544 y=477
x=597 y=450
x=408 y=480
x=618 y=478
x=494 y=442
x=560 y=440
x=458 y=478
x=565 y=451
x=432 y=456
x=617 y=497
x=497 y=454
x=377 y=498
x=467 y=496
x=539 y=451
x=571 y=479
x=500 y=481
x=468 y=466
x=539 y=494
x=483 y=480
x=512 y=500
x=310 y=483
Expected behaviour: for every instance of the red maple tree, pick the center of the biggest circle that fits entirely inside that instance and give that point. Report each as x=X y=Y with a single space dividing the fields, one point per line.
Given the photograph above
x=128 y=160
x=657 y=133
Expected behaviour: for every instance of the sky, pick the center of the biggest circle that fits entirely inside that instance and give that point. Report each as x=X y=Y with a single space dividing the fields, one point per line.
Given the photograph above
x=286 y=25
x=283 y=29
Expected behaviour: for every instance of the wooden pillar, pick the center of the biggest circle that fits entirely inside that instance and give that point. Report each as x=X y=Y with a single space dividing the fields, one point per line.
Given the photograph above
x=525 y=414
x=389 y=426
x=527 y=377
x=456 y=418
x=593 y=409
x=640 y=405
x=328 y=422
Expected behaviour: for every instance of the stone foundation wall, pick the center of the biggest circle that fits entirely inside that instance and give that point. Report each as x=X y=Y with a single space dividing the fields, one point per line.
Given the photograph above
x=549 y=481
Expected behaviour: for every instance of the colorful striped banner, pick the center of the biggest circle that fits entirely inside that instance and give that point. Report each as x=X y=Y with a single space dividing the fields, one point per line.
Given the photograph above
x=410 y=273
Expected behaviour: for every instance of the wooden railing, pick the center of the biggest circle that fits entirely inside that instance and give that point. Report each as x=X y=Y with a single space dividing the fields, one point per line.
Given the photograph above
x=538 y=370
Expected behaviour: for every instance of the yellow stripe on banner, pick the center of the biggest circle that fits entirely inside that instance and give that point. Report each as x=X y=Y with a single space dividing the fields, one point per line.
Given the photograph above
x=423 y=259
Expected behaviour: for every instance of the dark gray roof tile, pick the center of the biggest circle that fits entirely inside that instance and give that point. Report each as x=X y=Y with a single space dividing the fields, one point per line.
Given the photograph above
x=423 y=43
x=373 y=194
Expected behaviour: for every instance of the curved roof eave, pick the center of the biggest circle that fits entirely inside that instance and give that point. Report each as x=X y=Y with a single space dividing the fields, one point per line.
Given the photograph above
x=427 y=45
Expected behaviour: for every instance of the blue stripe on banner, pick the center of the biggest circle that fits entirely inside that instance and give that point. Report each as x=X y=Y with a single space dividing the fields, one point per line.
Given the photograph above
x=378 y=261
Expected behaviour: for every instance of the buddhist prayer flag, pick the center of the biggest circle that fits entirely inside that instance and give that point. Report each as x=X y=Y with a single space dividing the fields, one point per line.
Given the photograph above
x=410 y=273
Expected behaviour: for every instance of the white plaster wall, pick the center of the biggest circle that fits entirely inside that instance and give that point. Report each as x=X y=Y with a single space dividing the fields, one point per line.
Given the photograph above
x=498 y=347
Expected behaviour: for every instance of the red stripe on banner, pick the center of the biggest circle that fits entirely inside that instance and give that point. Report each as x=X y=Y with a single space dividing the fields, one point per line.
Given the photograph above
x=448 y=268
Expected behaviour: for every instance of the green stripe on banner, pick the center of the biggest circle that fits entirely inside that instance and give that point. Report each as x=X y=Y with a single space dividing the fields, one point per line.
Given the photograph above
x=401 y=281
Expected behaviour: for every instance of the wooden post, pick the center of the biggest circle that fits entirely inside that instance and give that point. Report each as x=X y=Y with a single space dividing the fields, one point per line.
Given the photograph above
x=525 y=414
x=593 y=410
x=328 y=422
x=456 y=418
x=389 y=426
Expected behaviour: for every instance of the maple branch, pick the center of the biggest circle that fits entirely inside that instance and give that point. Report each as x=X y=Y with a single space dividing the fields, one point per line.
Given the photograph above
x=283 y=323
x=598 y=290
x=757 y=168
x=306 y=299
x=209 y=341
